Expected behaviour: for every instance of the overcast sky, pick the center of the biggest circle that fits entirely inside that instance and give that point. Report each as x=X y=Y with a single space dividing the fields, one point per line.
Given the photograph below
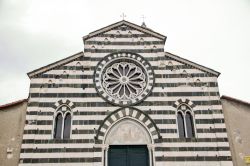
x=213 y=33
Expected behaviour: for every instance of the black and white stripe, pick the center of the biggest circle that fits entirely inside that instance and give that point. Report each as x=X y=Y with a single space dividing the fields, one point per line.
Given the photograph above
x=71 y=83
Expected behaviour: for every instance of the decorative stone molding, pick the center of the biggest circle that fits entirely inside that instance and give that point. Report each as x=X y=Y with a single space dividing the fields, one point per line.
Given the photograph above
x=69 y=103
x=129 y=113
x=184 y=101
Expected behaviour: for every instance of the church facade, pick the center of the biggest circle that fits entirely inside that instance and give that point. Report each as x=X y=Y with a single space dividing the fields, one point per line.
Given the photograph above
x=124 y=102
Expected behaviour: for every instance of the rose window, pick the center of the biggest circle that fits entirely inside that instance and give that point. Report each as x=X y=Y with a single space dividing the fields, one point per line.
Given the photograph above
x=123 y=78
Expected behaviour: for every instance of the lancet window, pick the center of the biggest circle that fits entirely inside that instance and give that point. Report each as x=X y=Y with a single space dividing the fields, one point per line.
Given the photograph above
x=62 y=123
x=185 y=122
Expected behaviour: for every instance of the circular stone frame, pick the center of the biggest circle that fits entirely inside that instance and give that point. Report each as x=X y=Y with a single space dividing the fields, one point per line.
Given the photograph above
x=112 y=58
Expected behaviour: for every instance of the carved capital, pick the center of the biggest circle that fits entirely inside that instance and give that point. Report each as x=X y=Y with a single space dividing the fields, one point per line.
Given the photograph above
x=150 y=147
x=105 y=147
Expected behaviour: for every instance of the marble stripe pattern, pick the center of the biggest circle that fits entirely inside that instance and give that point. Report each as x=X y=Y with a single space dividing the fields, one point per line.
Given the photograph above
x=177 y=81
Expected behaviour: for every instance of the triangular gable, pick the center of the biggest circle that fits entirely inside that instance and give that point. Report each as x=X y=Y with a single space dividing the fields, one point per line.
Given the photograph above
x=185 y=61
x=123 y=22
x=55 y=64
x=110 y=27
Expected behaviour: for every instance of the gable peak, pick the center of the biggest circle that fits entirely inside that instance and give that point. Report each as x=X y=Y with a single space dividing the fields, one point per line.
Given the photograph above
x=124 y=23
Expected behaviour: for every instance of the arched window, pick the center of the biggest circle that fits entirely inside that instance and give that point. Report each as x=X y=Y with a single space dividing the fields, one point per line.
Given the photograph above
x=62 y=123
x=67 y=126
x=185 y=122
x=189 y=125
x=58 y=126
x=181 y=127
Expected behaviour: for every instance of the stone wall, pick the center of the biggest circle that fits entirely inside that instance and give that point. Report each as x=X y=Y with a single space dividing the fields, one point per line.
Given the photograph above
x=237 y=116
x=11 y=131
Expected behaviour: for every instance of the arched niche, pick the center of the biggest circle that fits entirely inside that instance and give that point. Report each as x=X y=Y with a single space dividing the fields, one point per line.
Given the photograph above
x=127 y=132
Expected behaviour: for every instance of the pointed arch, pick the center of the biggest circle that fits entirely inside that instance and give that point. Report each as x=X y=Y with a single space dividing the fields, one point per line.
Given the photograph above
x=128 y=112
x=68 y=103
x=184 y=101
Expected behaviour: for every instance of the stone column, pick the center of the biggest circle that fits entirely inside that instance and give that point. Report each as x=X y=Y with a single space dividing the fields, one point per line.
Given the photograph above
x=105 y=157
x=151 y=154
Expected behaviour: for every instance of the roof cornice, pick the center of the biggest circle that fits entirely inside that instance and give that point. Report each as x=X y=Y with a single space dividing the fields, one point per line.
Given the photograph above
x=123 y=22
x=234 y=100
x=55 y=64
x=13 y=103
x=183 y=60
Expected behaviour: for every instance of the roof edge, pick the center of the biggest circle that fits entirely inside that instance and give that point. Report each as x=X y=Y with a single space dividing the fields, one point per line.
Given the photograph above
x=106 y=28
x=234 y=99
x=12 y=103
x=54 y=64
x=203 y=68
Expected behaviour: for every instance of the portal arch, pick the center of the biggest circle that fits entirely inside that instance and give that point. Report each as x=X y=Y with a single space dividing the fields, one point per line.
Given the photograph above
x=128 y=112
x=127 y=127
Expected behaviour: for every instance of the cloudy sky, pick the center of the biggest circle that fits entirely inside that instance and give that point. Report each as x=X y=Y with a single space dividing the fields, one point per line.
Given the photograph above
x=213 y=33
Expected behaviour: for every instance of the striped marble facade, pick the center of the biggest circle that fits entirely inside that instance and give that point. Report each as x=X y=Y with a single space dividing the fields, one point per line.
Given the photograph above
x=69 y=82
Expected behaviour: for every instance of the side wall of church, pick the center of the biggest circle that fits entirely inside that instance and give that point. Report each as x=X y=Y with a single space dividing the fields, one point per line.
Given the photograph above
x=12 y=123
x=175 y=83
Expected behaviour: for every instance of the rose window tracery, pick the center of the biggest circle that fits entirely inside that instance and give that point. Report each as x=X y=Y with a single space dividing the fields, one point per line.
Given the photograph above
x=123 y=78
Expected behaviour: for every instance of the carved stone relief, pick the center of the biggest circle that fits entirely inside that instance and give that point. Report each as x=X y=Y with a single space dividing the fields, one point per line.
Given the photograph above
x=128 y=132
